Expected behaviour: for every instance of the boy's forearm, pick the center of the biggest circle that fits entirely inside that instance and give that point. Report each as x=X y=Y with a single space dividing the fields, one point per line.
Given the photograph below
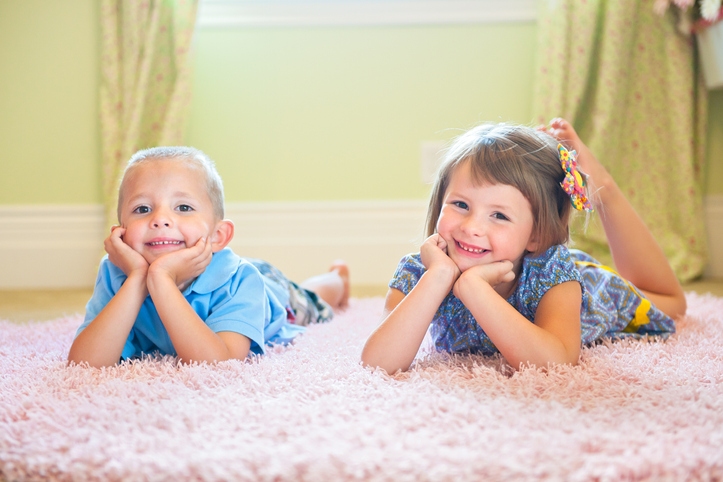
x=101 y=342
x=192 y=339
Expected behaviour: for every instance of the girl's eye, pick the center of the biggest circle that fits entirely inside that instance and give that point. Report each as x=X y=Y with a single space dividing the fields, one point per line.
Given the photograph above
x=461 y=205
x=142 y=210
x=500 y=216
x=184 y=208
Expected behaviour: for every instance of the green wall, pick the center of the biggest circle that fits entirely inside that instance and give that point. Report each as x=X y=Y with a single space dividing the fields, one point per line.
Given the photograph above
x=49 y=134
x=713 y=169
x=339 y=113
x=288 y=114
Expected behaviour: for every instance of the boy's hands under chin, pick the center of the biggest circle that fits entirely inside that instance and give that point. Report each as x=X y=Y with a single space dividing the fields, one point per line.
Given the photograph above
x=120 y=254
x=184 y=265
x=492 y=274
x=434 y=257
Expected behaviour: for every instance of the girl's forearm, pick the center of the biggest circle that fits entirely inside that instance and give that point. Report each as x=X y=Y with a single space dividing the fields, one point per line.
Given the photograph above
x=192 y=339
x=101 y=342
x=396 y=341
x=520 y=341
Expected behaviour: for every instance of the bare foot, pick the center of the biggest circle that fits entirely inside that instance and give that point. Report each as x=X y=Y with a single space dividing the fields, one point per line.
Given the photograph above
x=599 y=179
x=341 y=268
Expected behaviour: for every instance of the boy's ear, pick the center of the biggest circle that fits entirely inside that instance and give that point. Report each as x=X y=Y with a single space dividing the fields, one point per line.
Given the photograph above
x=222 y=235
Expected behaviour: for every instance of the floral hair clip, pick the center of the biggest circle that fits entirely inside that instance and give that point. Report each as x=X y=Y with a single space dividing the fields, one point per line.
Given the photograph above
x=574 y=182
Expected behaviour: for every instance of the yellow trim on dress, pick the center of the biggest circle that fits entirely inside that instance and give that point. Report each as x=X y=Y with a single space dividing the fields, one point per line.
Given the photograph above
x=641 y=312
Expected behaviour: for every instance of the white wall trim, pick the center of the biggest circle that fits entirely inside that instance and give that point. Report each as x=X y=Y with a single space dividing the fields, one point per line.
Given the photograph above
x=46 y=247
x=50 y=246
x=286 y=13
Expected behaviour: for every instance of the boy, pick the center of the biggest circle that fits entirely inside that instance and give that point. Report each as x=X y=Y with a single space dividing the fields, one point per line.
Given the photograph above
x=169 y=285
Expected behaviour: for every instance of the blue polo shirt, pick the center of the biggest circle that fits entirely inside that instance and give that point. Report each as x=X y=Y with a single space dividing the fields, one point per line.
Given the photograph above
x=231 y=295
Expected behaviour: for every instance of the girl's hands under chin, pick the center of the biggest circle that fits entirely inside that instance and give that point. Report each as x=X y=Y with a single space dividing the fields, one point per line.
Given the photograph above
x=434 y=256
x=184 y=265
x=493 y=274
x=120 y=254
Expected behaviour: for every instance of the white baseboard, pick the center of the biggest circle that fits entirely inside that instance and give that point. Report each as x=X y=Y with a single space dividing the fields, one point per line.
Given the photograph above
x=56 y=246
x=50 y=247
x=47 y=247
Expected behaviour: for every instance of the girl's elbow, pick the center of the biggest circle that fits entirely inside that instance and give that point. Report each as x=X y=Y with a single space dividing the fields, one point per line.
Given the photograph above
x=681 y=306
x=674 y=306
x=370 y=360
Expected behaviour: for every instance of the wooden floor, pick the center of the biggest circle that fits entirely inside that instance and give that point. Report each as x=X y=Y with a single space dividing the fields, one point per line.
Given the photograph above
x=23 y=305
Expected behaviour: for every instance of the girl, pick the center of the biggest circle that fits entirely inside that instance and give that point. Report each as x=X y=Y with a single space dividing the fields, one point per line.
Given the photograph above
x=494 y=273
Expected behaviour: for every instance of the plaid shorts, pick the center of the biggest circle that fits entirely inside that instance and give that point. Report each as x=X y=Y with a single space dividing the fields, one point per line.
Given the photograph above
x=305 y=306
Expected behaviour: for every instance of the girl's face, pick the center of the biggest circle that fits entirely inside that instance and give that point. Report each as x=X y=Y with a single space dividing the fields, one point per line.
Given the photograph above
x=165 y=208
x=484 y=223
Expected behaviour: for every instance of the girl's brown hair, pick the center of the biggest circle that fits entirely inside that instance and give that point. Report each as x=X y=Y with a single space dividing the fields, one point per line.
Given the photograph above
x=515 y=155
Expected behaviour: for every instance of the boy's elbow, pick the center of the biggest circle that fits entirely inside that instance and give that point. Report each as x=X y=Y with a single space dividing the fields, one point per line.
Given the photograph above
x=92 y=363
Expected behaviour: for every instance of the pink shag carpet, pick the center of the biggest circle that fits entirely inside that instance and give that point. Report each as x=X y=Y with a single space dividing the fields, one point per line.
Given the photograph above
x=629 y=411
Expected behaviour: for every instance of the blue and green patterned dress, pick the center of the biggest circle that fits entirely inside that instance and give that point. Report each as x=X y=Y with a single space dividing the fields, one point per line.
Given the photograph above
x=611 y=307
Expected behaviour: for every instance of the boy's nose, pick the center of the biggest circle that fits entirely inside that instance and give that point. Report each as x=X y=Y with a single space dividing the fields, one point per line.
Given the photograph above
x=161 y=219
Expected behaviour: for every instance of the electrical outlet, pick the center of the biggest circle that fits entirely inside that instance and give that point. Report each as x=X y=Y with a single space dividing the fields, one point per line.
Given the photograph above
x=431 y=156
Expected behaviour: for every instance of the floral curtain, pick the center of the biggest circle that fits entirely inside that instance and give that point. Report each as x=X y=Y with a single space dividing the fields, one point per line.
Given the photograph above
x=628 y=81
x=145 y=81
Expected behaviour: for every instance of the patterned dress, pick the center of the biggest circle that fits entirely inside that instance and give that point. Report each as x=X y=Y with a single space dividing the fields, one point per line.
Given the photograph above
x=611 y=307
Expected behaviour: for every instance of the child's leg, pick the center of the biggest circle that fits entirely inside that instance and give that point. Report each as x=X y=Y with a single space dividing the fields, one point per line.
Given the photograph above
x=636 y=254
x=332 y=287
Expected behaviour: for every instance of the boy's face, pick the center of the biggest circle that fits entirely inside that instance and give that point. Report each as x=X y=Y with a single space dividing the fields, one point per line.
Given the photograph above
x=166 y=208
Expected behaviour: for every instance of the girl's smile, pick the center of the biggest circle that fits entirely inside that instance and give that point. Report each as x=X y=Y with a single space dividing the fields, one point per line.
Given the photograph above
x=471 y=251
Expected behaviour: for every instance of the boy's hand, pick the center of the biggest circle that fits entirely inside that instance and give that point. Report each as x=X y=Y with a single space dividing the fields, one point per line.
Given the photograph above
x=184 y=265
x=434 y=256
x=122 y=255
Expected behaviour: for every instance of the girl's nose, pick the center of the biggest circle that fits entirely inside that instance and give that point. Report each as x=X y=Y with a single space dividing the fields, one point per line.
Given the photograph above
x=472 y=226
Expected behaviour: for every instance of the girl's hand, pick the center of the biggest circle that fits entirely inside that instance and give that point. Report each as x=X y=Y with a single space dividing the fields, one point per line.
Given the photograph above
x=122 y=255
x=492 y=274
x=184 y=265
x=434 y=256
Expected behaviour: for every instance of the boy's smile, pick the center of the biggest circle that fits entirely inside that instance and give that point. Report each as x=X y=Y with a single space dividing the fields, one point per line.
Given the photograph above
x=484 y=223
x=166 y=208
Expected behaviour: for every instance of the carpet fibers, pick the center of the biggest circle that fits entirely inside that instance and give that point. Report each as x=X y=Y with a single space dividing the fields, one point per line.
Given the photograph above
x=630 y=411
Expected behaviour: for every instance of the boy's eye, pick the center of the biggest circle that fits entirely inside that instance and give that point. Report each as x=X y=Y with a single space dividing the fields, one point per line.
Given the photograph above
x=184 y=208
x=461 y=205
x=142 y=210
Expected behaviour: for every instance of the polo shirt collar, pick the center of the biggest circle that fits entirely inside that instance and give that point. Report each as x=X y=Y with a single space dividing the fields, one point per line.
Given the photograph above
x=223 y=266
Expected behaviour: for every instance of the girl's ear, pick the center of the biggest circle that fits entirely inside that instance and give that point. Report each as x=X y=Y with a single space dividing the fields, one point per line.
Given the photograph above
x=532 y=244
x=222 y=235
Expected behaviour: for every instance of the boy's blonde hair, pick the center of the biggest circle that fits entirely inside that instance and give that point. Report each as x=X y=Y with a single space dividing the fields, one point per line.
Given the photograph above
x=515 y=155
x=189 y=155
